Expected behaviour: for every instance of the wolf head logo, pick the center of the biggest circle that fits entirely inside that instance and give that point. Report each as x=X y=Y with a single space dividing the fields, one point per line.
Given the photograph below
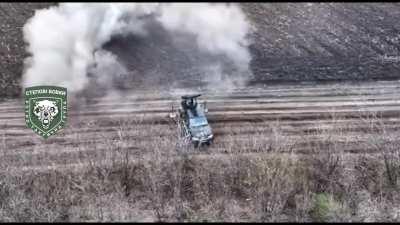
x=45 y=111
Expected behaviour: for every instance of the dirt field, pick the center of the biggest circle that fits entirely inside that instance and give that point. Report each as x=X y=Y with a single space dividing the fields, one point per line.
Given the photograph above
x=291 y=42
x=333 y=133
x=295 y=113
x=287 y=147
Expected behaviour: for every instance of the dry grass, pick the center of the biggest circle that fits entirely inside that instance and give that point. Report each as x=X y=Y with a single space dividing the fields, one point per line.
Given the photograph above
x=163 y=180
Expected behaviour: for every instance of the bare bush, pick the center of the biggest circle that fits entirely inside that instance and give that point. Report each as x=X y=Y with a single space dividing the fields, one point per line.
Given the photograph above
x=118 y=177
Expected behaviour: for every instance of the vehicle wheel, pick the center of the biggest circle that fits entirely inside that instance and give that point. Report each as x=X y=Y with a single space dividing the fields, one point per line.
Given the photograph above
x=196 y=144
x=208 y=143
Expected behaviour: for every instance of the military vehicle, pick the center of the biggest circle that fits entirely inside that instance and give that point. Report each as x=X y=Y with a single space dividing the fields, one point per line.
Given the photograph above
x=193 y=121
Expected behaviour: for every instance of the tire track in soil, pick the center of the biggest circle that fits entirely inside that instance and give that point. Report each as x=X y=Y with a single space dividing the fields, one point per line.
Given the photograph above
x=293 y=112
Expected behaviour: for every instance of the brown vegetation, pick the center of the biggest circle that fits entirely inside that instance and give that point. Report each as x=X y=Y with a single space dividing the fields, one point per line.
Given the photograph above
x=168 y=181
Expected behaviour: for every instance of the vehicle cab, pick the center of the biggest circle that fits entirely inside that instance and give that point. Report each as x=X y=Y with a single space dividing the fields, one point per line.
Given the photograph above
x=196 y=121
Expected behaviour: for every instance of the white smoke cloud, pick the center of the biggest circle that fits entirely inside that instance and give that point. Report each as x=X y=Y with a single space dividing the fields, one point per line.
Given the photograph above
x=63 y=39
x=220 y=29
x=106 y=65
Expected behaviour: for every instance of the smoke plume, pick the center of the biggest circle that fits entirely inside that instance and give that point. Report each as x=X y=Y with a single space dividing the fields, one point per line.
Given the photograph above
x=66 y=41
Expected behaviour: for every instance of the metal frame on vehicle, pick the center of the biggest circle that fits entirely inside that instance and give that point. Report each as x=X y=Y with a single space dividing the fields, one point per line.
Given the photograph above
x=184 y=118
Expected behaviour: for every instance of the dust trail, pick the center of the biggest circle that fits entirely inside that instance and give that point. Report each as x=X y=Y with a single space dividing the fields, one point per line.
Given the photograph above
x=65 y=41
